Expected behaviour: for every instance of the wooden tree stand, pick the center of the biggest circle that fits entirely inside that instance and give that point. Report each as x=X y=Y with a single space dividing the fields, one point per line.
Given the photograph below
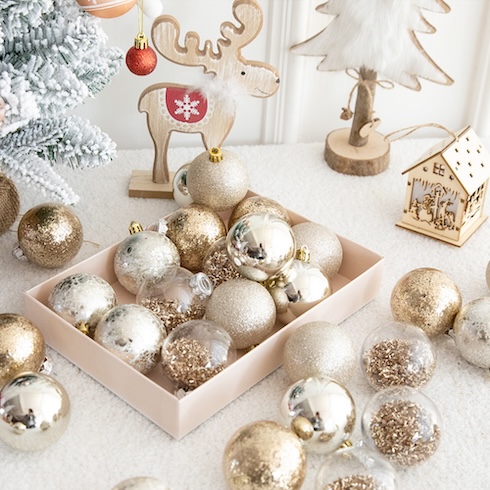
x=370 y=159
x=142 y=185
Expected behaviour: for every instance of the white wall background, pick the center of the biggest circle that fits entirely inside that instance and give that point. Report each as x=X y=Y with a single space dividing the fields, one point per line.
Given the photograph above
x=308 y=103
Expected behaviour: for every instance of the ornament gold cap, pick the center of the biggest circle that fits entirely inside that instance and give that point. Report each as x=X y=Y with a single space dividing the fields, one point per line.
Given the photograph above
x=83 y=327
x=303 y=254
x=134 y=227
x=215 y=155
x=141 y=41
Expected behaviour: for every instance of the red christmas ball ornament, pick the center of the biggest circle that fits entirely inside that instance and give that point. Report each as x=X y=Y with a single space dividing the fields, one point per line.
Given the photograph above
x=141 y=59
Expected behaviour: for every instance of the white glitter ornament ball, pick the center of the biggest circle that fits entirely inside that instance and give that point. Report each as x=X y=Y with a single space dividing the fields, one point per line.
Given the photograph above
x=320 y=411
x=82 y=299
x=217 y=179
x=324 y=246
x=245 y=309
x=144 y=256
x=318 y=349
x=472 y=332
x=180 y=189
x=141 y=483
x=134 y=334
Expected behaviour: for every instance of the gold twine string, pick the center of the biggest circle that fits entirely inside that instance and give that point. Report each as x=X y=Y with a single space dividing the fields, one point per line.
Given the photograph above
x=411 y=129
x=356 y=75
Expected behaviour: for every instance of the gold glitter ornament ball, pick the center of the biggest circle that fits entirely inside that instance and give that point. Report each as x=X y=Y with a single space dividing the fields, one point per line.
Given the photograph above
x=193 y=230
x=217 y=179
x=326 y=405
x=258 y=204
x=426 y=298
x=403 y=424
x=324 y=246
x=50 y=235
x=356 y=468
x=245 y=309
x=319 y=349
x=264 y=455
x=34 y=411
x=472 y=332
x=22 y=346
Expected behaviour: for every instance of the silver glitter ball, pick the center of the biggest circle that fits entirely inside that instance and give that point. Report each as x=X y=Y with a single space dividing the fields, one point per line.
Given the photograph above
x=260 y=246
x=134 y=334
x=34 y=411
x=318 y=349
x=324 y=246
x=245 y=309
x=472 y=332
x=82 y=299
x=320 y=411
x=143 y=256
x=141 y=483
x=180 y=189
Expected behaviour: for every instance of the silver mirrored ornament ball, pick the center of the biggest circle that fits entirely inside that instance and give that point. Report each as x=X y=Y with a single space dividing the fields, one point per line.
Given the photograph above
x=34 y=411
x=319 y=349
x=82 y=299
x=472 y=332
x=320 y=411
x=141 y=483
x=143 y=256
x=261 y=246
x=180 y=189
x=134 y=334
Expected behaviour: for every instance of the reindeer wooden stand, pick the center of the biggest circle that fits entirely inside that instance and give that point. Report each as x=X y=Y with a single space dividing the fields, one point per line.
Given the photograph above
x=173 y=107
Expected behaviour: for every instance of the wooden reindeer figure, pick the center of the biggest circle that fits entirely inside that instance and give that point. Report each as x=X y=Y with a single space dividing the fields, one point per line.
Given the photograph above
x=206 y=110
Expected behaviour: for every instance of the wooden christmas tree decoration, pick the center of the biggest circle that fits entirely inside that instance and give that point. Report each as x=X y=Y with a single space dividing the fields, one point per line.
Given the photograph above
x=446 y=189
x=375 y=38
x=210 y=108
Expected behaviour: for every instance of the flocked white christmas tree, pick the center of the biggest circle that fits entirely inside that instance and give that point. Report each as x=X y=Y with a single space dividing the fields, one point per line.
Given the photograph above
x=52 y=57
x=377 y=39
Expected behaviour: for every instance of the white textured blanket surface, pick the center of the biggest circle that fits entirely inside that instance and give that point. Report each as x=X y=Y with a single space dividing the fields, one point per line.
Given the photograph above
x=107 y=441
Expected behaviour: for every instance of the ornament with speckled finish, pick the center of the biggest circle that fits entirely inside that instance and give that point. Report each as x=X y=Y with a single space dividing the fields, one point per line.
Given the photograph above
x=245 y=309
x=180 y=190
x=143 y=256
x=49 y=235
x=258 y=204
x=472 y=332
x=427 y=298
x=317 y=349
x=134 y=334
x=264 y=455
x=141 y=483
x=328 y=407
x=194 y=229
x=217 y=265
x=82 y=299
x=261 y=246
x=22 y=346
x=324 y=246
x=217 y=179
x=34 y=411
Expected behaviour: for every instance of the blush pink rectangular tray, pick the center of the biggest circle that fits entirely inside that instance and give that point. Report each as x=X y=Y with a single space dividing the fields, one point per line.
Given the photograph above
x=357 y=283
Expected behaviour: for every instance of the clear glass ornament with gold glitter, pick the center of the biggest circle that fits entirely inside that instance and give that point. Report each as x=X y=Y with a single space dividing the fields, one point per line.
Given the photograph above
x=398 y=354
x=177 y=297
x=194 y=352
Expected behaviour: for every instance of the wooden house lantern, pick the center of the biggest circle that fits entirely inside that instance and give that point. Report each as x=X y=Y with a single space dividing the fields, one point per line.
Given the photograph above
x=446 y=189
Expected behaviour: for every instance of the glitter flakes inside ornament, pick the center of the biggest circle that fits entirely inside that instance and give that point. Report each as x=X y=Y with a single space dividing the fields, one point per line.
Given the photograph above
x=398 y=354
x=403 y=425
x=217 y=265
x=196 y=351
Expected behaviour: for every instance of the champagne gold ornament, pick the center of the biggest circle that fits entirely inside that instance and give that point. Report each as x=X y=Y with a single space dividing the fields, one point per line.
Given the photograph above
x=143 y=256
x=134 y=334
x=245 y=309
x=324 y=246
x=9 y=201
x=217 y=179
x=427 y=298
x=82 y=299
x=258 y=204
x=141 y=483
x=328 y=407
x=22 y=346
x=34 y=411
x=107 y=9
x=180 y=189
x=472 y=332
x=194 y=229
x=261 y=246
x=264 y=455
x=49 y=235
x=319 y=349
x=217 y=265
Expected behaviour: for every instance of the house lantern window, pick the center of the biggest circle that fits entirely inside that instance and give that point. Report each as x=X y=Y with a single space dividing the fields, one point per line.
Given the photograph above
x=439 y=168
